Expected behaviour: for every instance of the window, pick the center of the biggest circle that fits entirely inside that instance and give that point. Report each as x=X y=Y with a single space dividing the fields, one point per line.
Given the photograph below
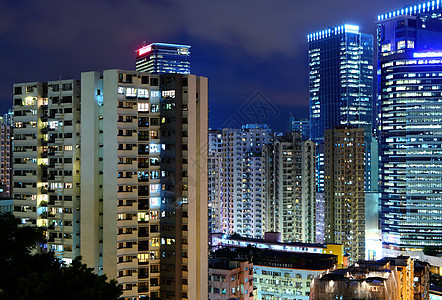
x=143 y=106
x=131 y=92
x=17 y=90
x=143 y=93
x=154 y=81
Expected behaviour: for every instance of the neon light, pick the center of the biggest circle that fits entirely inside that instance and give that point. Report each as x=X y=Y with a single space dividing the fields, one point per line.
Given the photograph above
x=428 y=54
x=144 y=50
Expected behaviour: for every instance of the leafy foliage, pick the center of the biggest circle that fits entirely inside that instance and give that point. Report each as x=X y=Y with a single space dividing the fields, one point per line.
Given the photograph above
x=27 y=275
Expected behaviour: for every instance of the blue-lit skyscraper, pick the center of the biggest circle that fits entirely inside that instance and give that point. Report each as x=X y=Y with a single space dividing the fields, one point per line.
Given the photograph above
x=159 y=58
x=300 y=125
x=341 y=79
x=410 y=125
x=341 y=87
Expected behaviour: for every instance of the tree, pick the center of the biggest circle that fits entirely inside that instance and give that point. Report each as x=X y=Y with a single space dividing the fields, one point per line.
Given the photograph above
x=24 y=275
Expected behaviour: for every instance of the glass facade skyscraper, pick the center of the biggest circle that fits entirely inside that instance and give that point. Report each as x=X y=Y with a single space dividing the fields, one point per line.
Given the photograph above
x=159 y=58
x=341 y=79
x=300 y=125
x=341 y=87
x=410 y=125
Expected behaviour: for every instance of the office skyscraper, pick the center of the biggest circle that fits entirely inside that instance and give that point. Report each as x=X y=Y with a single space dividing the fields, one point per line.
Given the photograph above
x=46 y=181
x=289 y=188
x=344 y=190
x=341 y=79
x=239 y=205
x=144 y=182
x=300 y=125
x=410 y=131
x=341 y=86
x=160 y=58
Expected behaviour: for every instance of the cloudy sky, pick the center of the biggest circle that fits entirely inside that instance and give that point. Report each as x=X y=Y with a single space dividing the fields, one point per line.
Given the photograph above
x=253 y=51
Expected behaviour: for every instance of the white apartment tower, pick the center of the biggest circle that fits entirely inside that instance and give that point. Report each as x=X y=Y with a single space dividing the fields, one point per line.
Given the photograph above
x=46 y=167
x=144 y=182
x=290 y=188
x=235 y=157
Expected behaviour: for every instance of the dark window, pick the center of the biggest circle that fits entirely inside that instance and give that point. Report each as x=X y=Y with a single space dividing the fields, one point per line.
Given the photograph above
x=144 y=79
x=128 y=78
x=154 y=81
x=17 y=90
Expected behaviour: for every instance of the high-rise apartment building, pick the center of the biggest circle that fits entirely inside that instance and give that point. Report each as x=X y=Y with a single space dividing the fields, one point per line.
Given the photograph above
x=341 y=79
x=289 y=188
x=6 y=125
x=300 y=125
x=214 y=161
x=410 y=132
x=344 y=190
x=159 y=58
x=144 y=182
x=239 y=204
x=46 y=181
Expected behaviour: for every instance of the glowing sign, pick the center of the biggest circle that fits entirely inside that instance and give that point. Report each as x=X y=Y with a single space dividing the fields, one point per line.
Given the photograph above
x=144 y=50
x=428 y=54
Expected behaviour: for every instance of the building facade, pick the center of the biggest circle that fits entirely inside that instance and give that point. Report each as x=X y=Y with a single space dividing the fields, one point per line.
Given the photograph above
x=6 y=125
x=410 y=132
x=388 y=278
x=341 y=79
x=230 y=279
x=46 y=167
x=289 y=188
x=144 y=175
x=160 y=58
x=344 y=190
x=237 y=169
x=300 y=125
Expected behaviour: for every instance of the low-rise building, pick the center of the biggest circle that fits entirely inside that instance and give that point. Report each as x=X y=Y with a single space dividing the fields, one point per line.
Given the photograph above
x=273 y=242
x=230 y=279
x=389 y=278
x=276 y=274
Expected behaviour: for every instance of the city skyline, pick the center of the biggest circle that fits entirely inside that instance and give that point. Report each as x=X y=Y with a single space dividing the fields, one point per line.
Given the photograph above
x=162 y=143
x=233 y=54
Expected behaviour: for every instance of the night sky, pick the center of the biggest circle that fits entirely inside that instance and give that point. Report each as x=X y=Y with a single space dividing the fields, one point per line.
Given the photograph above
x=253 y=52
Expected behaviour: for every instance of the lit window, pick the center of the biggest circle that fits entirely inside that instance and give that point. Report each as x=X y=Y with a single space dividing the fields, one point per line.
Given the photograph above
x=143 y=106
x=143 y=93
x=155 y=188
x=131 y=92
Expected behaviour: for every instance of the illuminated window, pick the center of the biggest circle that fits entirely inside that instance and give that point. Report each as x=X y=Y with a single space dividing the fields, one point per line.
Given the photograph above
x=155 y=188
x=143 y=106
x=386 y=48
x=155 y=242
x=67 y=148
x=155 y=202
x=131 y=92
x=53 y=124
x=154 y=148
x=400 y=45
x=143 y=93
x=153 y=134
x=29 y=101
x=143 y=258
